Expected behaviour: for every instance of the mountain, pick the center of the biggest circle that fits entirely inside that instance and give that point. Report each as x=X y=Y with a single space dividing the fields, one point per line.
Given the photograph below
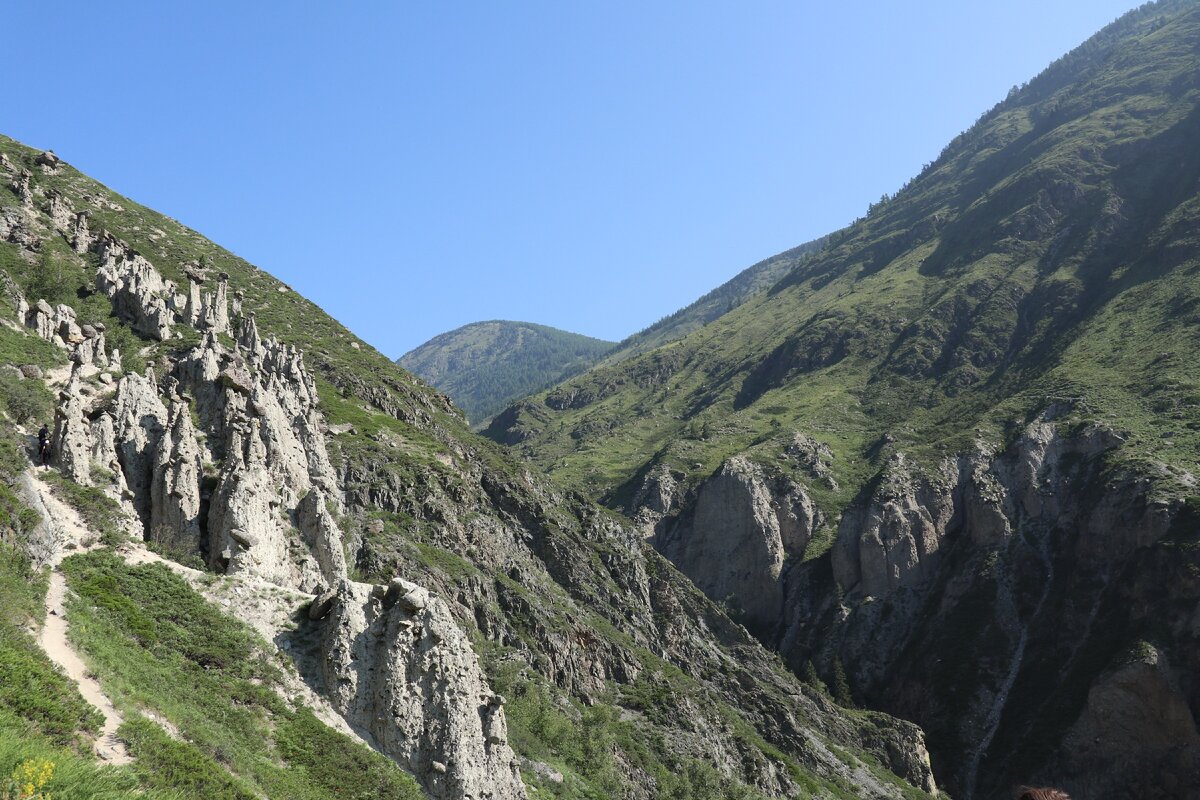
x=953 y=455
x=486 y=365
x=721 y=300
x=290 y=570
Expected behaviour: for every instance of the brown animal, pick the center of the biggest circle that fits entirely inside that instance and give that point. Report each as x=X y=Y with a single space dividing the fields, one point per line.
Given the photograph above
x=1030 y=793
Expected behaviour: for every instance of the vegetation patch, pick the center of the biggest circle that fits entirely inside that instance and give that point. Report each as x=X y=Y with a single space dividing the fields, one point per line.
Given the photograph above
x=31 y=687
x=156 y=643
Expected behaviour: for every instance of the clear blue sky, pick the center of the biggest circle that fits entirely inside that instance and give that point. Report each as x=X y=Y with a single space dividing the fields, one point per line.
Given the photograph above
x=414 y=166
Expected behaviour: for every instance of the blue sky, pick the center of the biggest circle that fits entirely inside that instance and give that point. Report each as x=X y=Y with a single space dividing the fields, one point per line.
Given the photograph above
x=415 y=166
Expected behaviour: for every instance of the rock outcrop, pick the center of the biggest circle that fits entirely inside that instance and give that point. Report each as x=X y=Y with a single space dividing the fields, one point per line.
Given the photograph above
x=81 y=237
x=139 y=421
x=892 y=540
x=55 y=324
x=175 y=485
x=72 y=444
x=398 y=666
x=992 y=580
x=736 y=537
x=23 y=187
x=208 y=311
x=138 y=292
x=258 y=405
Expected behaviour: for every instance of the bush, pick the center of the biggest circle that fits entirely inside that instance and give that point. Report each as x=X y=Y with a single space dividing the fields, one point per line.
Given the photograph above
x=165 y=763
x=341 y=766
x=73 y=776
x=54 y=278
x=120 y=337
x=25 y=400
x=30 y=686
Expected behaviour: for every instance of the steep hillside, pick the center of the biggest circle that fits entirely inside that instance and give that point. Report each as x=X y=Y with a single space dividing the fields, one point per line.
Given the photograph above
x=721 y=300
x=954 y=453
x=294 y=548
x=486 y=365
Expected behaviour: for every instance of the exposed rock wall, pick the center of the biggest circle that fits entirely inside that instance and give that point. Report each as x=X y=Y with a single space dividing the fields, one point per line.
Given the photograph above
x=893 y=539
x=737 y=536
x=398 y=666
x=175 y=485
x=979 y=602
x=139 y=421
x=138 y=292
x=956 y=594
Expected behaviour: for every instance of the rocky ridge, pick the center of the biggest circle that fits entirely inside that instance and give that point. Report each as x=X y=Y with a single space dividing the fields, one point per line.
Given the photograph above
x=268 y=514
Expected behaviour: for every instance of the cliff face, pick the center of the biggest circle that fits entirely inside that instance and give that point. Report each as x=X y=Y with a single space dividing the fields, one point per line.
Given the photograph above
x=1031 y=609
x=235 y=426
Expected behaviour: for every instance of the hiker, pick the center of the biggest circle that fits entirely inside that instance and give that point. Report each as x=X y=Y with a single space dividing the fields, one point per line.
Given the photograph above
x=44 y=445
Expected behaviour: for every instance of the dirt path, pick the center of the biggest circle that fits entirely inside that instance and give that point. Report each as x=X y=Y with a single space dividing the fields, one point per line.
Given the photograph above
x=72 y=535
x=53 y=639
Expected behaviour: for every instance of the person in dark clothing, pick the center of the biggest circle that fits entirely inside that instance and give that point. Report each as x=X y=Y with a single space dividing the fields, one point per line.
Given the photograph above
x=44 y=445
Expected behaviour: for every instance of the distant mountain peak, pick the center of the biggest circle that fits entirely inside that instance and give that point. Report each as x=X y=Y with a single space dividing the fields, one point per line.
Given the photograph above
x=483 y=366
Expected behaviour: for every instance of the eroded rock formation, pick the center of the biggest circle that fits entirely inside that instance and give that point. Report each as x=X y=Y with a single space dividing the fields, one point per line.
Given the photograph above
x=398 y=666
x=138 y=292
x=175 y=485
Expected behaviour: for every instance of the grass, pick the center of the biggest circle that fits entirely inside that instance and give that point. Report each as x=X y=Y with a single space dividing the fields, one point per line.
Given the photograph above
x=163 y=763
x=73 y=776
x=156 y=644
x=100 y=512
x=31 y=687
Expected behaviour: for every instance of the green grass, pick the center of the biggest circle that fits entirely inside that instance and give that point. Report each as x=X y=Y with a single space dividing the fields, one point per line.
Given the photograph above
x=75 y=776
x=163 y=763
x=156 y=644
x=100 y=512
x=347 y=773
x=31 y=687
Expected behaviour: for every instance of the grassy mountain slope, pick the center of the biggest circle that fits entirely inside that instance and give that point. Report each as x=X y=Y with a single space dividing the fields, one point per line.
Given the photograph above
x=1045 y=271
x=1049 y=251
x=622 y=678
x=486 y=365
x=721 y=300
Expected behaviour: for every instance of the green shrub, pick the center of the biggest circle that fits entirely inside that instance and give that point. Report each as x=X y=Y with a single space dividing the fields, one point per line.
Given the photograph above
x=74 y=776
x=25 y=400
x=53 y=278
x=165 y=763
x=30 y=686
x=344 y=768
x=120 y=337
